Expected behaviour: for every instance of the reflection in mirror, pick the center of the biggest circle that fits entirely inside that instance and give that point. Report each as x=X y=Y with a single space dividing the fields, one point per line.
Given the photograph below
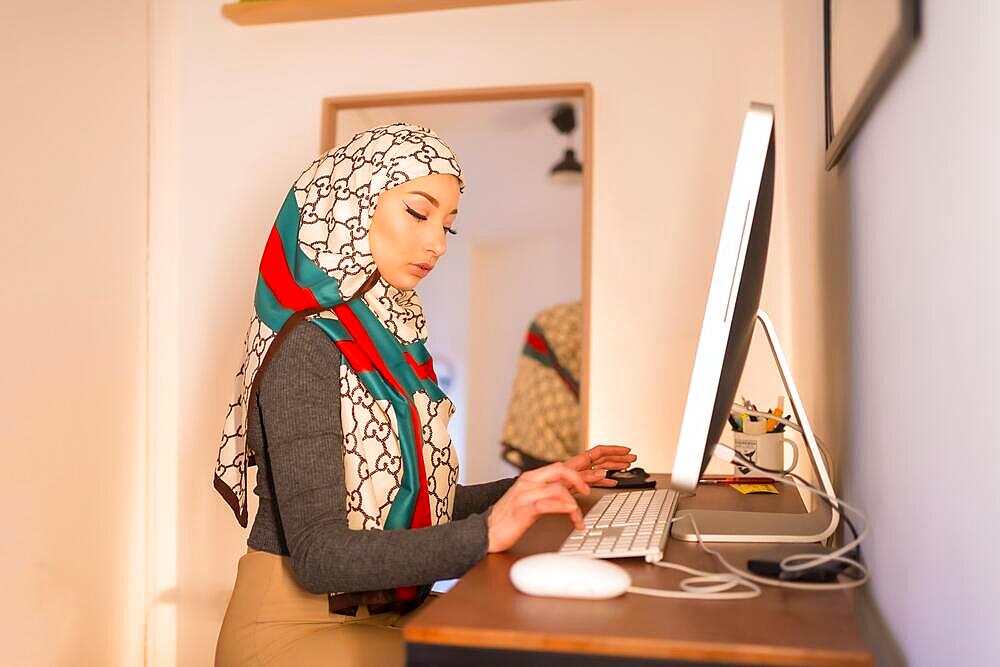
x=543 y=416
x=495 y=305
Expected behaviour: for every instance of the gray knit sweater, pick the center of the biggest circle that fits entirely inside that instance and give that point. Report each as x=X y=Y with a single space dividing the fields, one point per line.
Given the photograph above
x=295 y=428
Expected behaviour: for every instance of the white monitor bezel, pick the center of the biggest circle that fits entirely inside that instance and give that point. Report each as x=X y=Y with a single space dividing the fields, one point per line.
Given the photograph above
x=715 y=329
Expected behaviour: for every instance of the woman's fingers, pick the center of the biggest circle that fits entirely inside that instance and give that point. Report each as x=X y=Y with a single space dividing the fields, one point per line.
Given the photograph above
x=611 y=453
x=552 y=496
x=609 y=450
x=551 y=499
x=559 y=504
x=576 y=517
x=549 y=491
x=597 y=478
x=579 y=462
x=558 y=472
x=607 y=457
x=601 y=453
x=606 y=483
x=613 y=464
x=555 y=506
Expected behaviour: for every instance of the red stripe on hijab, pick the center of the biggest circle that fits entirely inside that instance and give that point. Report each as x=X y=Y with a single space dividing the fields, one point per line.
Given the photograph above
x=423 y=371
x=355 y=356
x=422 y=508
x=274 y=269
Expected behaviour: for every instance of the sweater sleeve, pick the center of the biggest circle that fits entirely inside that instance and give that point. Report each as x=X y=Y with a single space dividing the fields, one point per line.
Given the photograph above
x=478 y=498
x=299 y=400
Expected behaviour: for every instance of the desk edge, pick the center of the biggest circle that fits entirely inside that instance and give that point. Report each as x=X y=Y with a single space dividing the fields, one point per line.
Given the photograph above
x=632 y=647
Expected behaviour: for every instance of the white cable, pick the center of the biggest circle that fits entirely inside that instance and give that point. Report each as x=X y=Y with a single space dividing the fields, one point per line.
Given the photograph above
x=804 y=561
x=702 y=585
x=719 y=585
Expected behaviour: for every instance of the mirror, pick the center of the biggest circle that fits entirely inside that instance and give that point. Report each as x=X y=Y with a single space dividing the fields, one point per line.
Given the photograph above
x=505 y=306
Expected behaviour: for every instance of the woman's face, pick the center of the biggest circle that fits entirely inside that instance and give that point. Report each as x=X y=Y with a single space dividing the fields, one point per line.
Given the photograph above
x=409 y=231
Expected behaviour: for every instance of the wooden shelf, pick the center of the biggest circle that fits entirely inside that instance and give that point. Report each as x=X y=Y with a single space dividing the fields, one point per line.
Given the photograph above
x=261 y=12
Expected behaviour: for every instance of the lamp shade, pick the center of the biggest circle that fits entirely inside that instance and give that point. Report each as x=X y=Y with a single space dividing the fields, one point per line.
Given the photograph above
x=568 y=170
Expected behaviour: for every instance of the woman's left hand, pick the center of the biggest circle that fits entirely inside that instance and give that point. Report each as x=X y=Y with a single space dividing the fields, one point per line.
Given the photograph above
x=594 y=464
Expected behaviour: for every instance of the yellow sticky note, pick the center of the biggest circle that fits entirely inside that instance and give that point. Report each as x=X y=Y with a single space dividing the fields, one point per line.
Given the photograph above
x=755 y=488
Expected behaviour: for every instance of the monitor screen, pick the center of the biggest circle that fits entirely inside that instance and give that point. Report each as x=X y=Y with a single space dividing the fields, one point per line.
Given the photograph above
x=734 y=298
x=745 y=312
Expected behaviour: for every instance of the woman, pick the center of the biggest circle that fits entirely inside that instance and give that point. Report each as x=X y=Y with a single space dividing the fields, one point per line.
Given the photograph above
x=337 y=404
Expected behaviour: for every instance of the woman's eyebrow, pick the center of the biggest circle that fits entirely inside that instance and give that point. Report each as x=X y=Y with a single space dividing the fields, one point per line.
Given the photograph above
x=429 y=198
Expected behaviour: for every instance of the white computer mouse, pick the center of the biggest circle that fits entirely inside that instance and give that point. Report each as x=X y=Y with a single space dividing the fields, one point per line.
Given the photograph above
x=561 y=576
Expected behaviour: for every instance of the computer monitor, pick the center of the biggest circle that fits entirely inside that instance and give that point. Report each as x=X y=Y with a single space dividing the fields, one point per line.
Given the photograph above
x=726 y=331
x=733 y=299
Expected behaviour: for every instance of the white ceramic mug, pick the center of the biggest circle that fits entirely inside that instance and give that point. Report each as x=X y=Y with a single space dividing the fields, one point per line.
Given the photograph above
x=765 y=450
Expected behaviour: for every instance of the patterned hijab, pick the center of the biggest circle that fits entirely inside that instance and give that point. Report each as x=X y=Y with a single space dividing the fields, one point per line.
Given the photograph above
x=400 y=468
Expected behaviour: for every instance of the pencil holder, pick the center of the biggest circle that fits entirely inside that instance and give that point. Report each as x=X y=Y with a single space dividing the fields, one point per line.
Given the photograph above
x=765 y=450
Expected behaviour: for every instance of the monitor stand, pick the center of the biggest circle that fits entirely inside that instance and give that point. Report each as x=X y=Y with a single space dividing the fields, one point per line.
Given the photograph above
x=735 y=526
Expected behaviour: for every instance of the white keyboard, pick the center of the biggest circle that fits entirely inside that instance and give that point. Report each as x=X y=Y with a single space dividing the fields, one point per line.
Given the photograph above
x=623 y=524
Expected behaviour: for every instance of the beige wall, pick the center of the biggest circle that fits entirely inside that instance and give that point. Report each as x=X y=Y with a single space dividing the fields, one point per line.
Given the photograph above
x=73 y=136
x=671 y=83
x=815 y=203
x=894 y=283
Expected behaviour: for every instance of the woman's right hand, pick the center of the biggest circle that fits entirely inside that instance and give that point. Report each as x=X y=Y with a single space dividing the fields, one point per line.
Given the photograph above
x=535 y=492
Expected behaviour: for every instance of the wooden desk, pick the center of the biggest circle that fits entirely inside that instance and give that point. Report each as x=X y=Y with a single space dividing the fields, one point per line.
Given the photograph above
x=483 y=620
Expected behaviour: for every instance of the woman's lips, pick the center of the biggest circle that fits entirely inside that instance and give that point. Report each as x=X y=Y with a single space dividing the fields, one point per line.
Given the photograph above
x=421 y=269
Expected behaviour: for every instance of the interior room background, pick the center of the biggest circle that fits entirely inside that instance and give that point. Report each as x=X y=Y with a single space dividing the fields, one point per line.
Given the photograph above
x=149 y=143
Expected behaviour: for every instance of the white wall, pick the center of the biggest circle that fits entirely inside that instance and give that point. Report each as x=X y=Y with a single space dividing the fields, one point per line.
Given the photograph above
x=236 y=118
x=73 y=131
x=897 y=330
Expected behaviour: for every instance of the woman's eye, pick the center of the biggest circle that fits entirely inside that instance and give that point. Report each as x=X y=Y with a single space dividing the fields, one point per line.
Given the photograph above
x=450 y=230
x=415 y=214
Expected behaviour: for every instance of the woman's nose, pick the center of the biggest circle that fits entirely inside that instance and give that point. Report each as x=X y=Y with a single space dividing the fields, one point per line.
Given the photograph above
x=438 y=243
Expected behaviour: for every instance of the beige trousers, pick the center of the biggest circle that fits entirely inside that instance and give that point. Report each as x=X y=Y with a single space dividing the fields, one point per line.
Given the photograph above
x=271 y=620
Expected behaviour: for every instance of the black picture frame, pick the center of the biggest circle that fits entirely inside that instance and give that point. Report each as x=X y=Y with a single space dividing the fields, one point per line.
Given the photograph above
x=892 y=54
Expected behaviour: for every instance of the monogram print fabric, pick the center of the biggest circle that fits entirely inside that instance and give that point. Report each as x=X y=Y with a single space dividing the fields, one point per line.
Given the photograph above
x=372 y=459
x=543 y=416
x=322 y=245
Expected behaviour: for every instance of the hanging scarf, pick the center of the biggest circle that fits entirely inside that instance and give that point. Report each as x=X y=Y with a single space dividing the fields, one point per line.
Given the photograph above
x=543 y=416
x=400 y=468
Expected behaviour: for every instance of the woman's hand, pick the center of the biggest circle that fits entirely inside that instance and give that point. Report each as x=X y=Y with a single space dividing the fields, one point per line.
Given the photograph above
x=594 y=464
x=536 y=492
